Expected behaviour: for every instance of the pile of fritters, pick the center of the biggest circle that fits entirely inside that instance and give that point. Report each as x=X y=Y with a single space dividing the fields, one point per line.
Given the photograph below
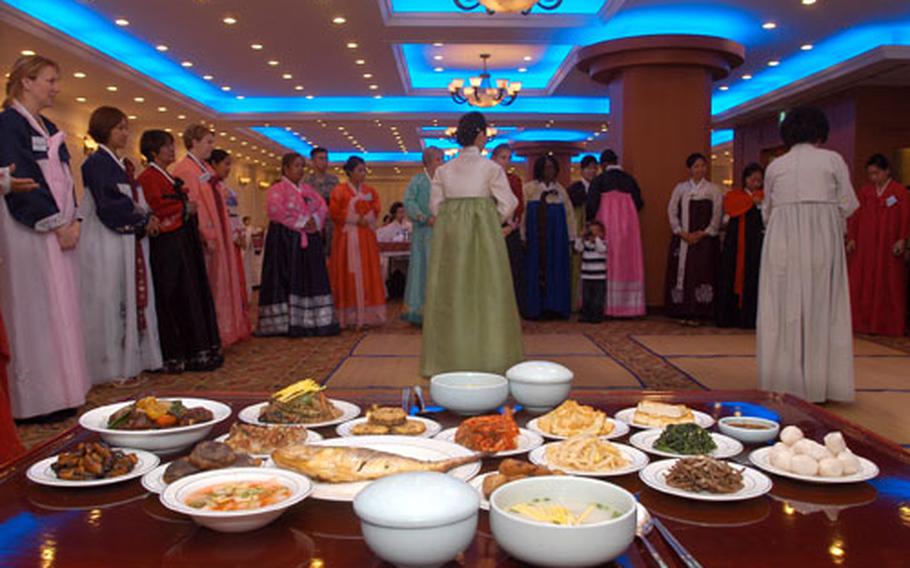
x=513 y=470
x=388 y=420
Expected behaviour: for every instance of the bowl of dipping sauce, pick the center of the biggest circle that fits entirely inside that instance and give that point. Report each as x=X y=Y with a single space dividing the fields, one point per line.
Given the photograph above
x=749 y=429
x=468 y=393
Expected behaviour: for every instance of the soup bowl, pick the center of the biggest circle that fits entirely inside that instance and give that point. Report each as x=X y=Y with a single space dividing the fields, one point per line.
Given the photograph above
x=468 y=393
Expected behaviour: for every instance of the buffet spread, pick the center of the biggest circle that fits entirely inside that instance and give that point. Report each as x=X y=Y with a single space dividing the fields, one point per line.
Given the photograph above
x=548 y=485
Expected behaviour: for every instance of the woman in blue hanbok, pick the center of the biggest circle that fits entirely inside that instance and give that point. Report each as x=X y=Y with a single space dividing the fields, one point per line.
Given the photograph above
x=417 y=205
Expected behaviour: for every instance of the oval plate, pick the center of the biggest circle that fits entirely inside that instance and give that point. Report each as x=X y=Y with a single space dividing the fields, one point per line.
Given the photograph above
x=620 y=429
x=42 y=473
x=727 y=447
x=432 y=428
x=527 y=441
x=637 y=460
x=762 y=459
x=349 y=411
x=755 y=483
x=311 y=436
x=626 y=415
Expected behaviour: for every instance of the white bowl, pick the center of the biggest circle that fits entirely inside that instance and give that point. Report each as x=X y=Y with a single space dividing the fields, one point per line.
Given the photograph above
x=468 y=393
x=544 y=544
x=175 y=495
x=164 y=441
x=539 y=386
x=749 y=435
x=418 y=520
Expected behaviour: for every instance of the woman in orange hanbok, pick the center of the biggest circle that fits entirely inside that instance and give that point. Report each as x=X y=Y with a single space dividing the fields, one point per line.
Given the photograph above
x=737 y=300
x=354 y=264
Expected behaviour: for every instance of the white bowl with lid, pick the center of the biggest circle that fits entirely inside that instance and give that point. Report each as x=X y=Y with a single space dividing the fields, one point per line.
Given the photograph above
x=539 y=386
x=468 y=393
x=418 y=520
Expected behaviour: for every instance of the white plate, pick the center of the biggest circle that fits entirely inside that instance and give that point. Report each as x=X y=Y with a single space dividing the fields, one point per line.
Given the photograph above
x=727 y=447
x=163 y=441
x=762 y=459
x=433 y=427
x=626 y=414
x=477 y=484
x=153 y=481
x=527 y=441
x=620 y=429
x=637 y=460
x=311 y=436
x=250 y=414
x=755 y=483
x=42 y=473
x=427 y=449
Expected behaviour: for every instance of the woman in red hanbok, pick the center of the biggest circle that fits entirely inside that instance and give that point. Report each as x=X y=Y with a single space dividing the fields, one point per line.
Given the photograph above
x=354 y=264
x=876 y=240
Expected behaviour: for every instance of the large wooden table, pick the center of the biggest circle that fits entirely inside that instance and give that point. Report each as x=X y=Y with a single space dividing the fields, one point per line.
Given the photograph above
x=798 y=524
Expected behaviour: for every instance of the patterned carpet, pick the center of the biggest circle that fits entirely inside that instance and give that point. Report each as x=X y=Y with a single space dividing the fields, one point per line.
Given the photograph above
x=617 y=354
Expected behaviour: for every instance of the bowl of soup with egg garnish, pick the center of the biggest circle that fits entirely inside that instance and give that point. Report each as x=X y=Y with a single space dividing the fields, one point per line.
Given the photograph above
x=749 y=429
x=236 y=499
x=563 y=520
x=468 y=393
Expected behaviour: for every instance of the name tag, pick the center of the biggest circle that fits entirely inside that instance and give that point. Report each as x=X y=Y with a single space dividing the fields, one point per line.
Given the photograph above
x=125 y=189
x=890 y=201
x=204 y=178
x=368 y=197
x=39 y=144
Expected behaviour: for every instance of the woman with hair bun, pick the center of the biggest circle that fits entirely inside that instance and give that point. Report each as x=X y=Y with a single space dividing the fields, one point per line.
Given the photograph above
x=119 y=322
x=354 y=264
x=39 y=231
x=876 y=240
x=470 y=318
x=804 y=338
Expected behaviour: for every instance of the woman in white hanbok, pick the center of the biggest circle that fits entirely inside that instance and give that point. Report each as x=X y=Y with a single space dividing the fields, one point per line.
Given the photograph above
x=119 y=322
x=805 y=340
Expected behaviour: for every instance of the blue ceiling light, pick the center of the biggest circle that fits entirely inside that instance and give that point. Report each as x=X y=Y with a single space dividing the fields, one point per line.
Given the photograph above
x=824 y=54
x=91 y=28
x=287 y=139
x=550 y=135
x=568 y=7
x=418 y=58
x=719 y=137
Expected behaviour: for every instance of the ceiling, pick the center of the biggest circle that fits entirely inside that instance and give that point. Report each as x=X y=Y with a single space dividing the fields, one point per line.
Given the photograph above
x=293 y=68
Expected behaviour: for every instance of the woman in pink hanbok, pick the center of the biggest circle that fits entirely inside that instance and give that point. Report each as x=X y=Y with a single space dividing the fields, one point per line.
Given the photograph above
x=295 y=298
x=215 y=229
x=39 y=294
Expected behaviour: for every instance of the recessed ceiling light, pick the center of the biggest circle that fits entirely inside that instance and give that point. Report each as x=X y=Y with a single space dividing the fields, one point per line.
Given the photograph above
x=374 y=87
x=773 y=63
x=256 y=46
x=806 y=46
x=162 y=109
x=122 y=22
x=132 y=117
x=225 y=88
x=310 y=97
x=240 y=97
x=438 y=69
x=298 y=87
x=360 y=62
x=367 y=75
x=139 y=99
x=527 y=58
x=161 y=47
x=112 y=88
x=724 y=88
x=181 y=117
x=233 y=138
x=338 y=20
x=273 y=62
x=186 y=64
x=352 y=45
x=437 y=57
x=287 y=76
x=438 y=44
x=79 y=75
x=168 y=130
x=80 y=99
x=808 y=2
x=229 y=20
x=522 y=69
x=747 y=77
x=769 y=25
x=27 y=52
x=207 y=77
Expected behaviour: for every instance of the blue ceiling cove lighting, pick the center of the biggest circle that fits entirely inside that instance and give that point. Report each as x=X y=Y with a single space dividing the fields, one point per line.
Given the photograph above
x=419 y=60
x=295 y=144
x=550 y=135
x=568 y=7
x=287 y=139
x=435 y=106
x=827 y=53
x=719 y=137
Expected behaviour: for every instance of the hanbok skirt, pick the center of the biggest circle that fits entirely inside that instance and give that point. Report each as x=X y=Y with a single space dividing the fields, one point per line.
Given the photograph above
x=295 y=297
x=625 y=260
x=415 y=291
x=470 y=319
x=805 y=337
x=735 y=310
x=516 y=249
x=10 y=446
x=695 y=298
x=548 y=273
x=187 y=323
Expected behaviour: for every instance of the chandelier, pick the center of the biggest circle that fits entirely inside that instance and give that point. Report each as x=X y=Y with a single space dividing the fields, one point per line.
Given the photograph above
x=480 y=91
x=508 y=6
x=453 y=130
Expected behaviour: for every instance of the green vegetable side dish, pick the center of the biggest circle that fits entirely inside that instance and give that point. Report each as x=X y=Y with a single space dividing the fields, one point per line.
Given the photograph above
x=685 y=439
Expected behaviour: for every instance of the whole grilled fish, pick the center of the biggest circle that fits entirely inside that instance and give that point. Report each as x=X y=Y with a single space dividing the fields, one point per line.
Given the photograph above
x=347 y=464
